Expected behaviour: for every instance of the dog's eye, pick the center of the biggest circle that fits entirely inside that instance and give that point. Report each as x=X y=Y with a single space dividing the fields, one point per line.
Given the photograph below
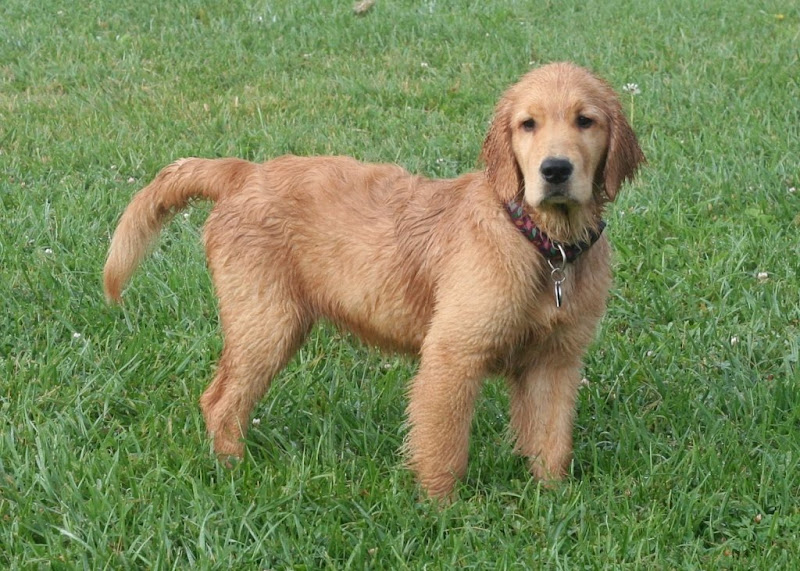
x=528 y=125
x=585 y=122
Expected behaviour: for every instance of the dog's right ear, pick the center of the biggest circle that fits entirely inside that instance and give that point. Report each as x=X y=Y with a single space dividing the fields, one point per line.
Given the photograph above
x=502 y=170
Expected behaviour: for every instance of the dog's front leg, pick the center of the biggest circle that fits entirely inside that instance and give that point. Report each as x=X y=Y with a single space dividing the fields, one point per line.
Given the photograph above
x=441 y=403
x=542 y=413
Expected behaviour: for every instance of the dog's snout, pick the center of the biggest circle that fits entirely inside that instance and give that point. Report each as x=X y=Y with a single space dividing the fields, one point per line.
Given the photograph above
x=555 y=170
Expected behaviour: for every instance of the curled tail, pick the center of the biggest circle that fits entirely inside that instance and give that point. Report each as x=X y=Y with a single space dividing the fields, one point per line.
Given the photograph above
x=170 y=191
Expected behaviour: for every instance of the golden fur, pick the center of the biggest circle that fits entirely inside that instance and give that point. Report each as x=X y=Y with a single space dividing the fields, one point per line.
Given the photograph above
x=429 y=267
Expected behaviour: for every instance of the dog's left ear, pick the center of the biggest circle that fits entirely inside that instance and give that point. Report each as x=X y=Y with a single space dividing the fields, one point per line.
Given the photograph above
x=502 y=169
x=624 y=154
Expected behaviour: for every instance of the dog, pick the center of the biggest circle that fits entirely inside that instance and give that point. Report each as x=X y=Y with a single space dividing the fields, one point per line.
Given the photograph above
x=501 y=271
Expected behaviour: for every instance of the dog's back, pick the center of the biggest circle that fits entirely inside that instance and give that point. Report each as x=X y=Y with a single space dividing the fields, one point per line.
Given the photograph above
x=363 y=242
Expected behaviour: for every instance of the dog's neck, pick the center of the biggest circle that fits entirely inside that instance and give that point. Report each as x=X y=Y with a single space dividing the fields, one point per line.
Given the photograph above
x=552 y=250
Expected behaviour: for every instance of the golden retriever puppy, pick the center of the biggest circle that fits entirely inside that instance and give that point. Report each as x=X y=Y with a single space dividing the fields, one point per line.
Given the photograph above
x=501 y=271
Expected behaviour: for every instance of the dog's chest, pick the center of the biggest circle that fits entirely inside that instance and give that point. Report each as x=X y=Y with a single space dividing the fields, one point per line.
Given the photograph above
x=553 y=301
x=570 y=296
x=546 y=329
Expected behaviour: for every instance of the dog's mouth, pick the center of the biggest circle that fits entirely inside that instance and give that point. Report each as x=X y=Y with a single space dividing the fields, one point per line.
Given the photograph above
x=557 y=193
x=561 y=207
x=558 y=200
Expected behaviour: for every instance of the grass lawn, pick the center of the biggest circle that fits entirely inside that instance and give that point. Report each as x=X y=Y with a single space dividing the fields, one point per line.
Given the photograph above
x=687 y=438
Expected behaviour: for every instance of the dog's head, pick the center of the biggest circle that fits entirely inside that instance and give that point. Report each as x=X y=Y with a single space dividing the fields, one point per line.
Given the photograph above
x=559 y=136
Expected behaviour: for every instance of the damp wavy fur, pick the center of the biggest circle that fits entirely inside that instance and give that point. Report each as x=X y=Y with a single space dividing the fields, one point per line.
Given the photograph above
x=433 y=268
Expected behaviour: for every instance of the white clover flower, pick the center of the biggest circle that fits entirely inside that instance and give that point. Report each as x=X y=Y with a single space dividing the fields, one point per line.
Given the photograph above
x=763 y=276
x=256 y=421
x=76 y=335
x=632 y=88
x=362 y=7
x=48 y=251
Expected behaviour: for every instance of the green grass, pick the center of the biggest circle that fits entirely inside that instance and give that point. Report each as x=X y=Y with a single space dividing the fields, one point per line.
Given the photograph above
x=688 y=436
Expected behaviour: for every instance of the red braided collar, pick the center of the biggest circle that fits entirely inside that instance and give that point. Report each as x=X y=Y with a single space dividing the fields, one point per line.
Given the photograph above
x=550 y=249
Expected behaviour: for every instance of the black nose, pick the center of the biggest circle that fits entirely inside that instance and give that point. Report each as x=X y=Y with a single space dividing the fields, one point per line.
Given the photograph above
x=555 y=171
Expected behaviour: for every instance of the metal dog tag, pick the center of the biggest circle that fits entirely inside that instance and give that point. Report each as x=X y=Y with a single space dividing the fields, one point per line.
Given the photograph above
x=559 y=294
x=558 y=275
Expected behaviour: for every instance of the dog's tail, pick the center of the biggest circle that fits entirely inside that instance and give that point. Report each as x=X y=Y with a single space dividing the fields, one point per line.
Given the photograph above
x=170 y=192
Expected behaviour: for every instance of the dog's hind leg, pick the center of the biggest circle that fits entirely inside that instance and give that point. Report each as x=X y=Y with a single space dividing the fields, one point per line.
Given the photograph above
x=263 y=328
